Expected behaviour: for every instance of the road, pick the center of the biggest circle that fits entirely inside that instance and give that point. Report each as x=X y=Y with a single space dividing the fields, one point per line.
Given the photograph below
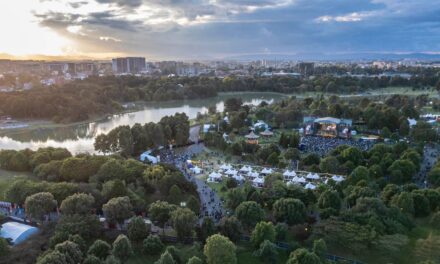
x=194 y=133
x=430 y=157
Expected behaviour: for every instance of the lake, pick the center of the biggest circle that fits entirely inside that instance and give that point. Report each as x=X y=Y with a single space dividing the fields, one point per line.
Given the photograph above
x=79 y=138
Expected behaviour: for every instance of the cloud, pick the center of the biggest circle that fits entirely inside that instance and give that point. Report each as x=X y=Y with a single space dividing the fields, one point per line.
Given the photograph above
x=352 y=17
x=216 y=28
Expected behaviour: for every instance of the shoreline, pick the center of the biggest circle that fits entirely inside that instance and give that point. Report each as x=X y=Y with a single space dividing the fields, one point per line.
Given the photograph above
x=35 y=124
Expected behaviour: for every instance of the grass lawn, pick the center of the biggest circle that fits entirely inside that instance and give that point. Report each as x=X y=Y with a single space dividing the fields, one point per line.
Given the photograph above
x=6 y=178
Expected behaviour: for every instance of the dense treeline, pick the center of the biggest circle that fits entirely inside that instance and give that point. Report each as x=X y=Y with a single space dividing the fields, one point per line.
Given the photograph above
x=83 y=99
x=128 y=141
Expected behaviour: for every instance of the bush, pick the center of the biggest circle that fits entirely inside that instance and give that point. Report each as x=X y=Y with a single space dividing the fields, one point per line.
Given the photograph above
x=152 y=245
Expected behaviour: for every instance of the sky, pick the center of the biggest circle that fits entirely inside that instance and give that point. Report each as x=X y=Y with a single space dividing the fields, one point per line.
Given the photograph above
x=216 y=29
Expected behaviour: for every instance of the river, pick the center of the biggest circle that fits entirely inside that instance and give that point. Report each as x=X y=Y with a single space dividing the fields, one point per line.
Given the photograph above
x=79 y=138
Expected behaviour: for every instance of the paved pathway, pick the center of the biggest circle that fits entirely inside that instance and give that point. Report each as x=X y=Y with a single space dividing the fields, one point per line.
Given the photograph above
x=211 y=205
x=430 y=156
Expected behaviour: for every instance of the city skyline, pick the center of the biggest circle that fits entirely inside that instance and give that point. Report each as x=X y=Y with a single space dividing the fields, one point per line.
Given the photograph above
x=221 y=29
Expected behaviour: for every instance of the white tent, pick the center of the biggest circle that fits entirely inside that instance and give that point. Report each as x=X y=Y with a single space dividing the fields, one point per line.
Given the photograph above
x=147 y=157
x=258 y=182
x=253 y=174
x=238 y=178
x=266 y=171
x=297 y=179
x=231 y=172
x=196 y=170
x=337 y=178
x=246 y=169
x=288 y=173
x=313 y=176
x=310 y=186
x=225 y=167
x=214 y=177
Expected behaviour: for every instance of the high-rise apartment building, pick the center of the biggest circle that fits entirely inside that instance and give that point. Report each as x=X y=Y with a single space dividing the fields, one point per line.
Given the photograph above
x=128 y=65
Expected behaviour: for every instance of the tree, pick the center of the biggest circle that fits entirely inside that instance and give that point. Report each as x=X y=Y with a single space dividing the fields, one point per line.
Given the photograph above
x=405 y=202
x=193 y=204
x=175 y=195
x=118 y=209
x=137 y=229
x=206 y=229
x=40 y=204
x=406 y=168
x=79 y=203
x=219 y=250
x=435 y=220
x=329 y=199
x=263 y=231
x=267 y=252
x=234 y=198
x=112 y=260
x=175 y=253
x=160 y=212
x=434 y=177
x=194 y=260
x=421 y=204
x=4 y=247
x=303 y=256
x=71 y=252
x=231 y=228
x=359 y=174
x=122 y=247
x=100 y=249
x=273 y=159
x=113 y=188
x=52 y=257
x=281 y=230
x=184 y=221
x=249 y=213
x=87 y=226
x=91 y=259
x=165 y=258
x=329 y=164
x=289 y=210
x=320 y=248
x=152 y=245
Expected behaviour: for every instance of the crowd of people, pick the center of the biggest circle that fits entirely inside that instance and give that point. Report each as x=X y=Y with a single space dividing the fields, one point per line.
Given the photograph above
x=211 y=205
x=323 y=145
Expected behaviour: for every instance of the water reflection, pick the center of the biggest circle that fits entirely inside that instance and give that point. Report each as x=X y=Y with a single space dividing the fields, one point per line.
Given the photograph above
x=80 y=138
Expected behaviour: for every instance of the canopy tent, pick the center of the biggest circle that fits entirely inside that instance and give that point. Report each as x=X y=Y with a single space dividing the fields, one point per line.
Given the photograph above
x=196 y=170
x=297 y=179
x=238 y=178
x=258 y=182
x=231 y=172
x=253 y=174
x=337 y=178
x=245 y=169
x=313 y=176
x=225 y=167
x=266 y=171
x=147 y=157
x=310 y=186
x=288 y=173
x=215 y=175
